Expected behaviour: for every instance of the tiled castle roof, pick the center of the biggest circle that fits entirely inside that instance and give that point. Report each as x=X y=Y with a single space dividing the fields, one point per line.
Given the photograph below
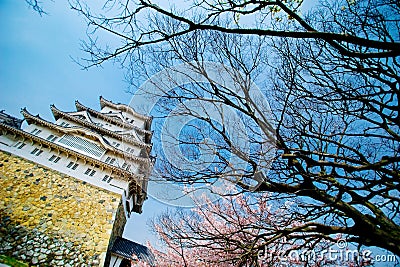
x=132 y=251
x=10 y=120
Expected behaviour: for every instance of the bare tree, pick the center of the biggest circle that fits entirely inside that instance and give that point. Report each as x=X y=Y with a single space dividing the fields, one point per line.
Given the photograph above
x=36 y=6
x=144 y=22
x=336 y=129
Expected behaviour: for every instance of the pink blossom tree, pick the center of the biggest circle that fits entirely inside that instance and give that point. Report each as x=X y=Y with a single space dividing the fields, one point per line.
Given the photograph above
x=241 y=231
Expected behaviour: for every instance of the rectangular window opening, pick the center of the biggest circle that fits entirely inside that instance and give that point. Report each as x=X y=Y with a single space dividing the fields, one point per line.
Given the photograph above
x=17 y=144
x=36 y=132
x=21 y=146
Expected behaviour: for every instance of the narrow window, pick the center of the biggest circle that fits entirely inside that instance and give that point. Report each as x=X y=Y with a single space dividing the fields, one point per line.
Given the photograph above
x=105 y=178
x=62 y=123
x=54 y=139
x=39 y=152
x=70 y=164
x=112 y=161
x=87 y=171
x=123 y=165
x=108 y=159
x=36 y=132
x=109 y=180
x=57 y=159
x=128 y=168
x=17 y=144
x=34 y=151
x=75 y=166
x=21 y=145
x=52 y=157
x=50 y=137
x=117 y=145
x=92 y=173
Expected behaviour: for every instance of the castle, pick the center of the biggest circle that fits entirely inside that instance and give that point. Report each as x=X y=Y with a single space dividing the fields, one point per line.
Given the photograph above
x=67 y=187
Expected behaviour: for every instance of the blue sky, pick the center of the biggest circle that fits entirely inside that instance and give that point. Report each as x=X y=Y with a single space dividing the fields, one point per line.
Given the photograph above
x=37 y=69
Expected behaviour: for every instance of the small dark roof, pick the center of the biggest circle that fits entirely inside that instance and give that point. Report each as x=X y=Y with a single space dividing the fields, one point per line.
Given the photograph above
x=127 y=249
x=10 y=120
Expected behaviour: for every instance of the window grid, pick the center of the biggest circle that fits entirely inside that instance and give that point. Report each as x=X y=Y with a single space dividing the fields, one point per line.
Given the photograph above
x=82 y=145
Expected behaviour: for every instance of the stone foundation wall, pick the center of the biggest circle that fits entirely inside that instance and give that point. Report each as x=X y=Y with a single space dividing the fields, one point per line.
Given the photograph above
x=49 y=219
